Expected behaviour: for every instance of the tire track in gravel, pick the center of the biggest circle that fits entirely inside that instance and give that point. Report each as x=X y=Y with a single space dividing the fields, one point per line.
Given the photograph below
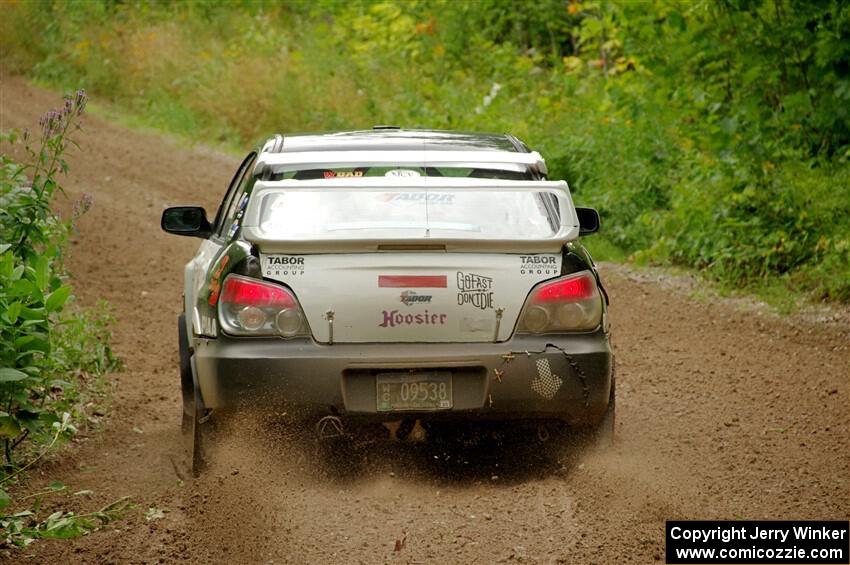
x=722 y=412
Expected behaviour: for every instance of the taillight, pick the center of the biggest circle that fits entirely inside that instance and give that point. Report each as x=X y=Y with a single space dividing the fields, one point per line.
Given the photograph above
x=252 y=307
x=570 y=303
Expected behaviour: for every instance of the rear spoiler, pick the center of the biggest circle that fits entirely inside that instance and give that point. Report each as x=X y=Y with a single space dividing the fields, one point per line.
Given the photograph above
x=253 y=232
x=268 y=161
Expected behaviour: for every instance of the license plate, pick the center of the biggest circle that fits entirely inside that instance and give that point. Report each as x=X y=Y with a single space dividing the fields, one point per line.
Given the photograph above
x=424 y=390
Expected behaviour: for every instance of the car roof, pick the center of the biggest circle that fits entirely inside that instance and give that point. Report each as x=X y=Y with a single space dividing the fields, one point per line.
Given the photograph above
x=392 y=138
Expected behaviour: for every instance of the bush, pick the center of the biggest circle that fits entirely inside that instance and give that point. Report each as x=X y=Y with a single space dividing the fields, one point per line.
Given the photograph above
x=48 y=348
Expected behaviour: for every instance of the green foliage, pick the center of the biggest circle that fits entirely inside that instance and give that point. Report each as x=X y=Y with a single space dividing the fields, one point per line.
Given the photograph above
x=23 y=528
x=60 y=428
x=709 y=134
x=50 y=352
x=40 y=359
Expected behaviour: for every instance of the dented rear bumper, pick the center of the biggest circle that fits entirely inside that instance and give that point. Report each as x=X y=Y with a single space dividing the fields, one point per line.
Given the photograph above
x=553 y=376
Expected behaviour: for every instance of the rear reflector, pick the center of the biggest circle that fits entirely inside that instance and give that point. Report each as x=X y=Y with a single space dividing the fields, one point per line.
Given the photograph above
x=412 y=281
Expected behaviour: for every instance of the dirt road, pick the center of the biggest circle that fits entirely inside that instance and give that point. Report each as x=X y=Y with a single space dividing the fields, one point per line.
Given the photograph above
x=722 y=413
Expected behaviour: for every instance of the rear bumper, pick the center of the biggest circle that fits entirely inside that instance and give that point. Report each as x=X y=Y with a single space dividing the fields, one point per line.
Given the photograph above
x=555 y=376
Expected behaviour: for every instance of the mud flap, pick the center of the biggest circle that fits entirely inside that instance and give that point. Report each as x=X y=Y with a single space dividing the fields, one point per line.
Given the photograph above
x=198 y=433
x=605 y=436
x=186 y=378
x=193 y=423
x=601 y=435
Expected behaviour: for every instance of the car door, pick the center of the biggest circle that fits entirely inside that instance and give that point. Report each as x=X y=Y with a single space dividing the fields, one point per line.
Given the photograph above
x=196 y=269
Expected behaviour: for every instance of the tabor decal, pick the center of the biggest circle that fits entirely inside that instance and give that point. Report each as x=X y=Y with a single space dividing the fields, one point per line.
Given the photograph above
x=409 y=297
x=281 y=266
x=430 y=197
x=539 y=265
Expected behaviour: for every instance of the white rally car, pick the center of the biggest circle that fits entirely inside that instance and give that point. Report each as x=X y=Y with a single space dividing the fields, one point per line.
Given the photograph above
x=390 y=275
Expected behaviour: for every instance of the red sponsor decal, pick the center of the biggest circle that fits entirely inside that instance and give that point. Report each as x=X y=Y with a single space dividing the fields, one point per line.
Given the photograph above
x=412 y=281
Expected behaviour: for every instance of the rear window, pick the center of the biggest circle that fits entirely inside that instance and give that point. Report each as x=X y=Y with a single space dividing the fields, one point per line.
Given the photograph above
x=371 y=213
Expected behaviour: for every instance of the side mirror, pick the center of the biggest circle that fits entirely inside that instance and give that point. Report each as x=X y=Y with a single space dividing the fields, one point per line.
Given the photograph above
x=588 y=221
x=186 y=220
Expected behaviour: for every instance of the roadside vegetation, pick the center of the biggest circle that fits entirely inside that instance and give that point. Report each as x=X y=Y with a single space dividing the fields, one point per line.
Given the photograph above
x=711 y=135
x=53 y=354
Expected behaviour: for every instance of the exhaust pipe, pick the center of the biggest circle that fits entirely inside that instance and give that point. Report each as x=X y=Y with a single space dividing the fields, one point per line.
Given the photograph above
x=330 y=427
x=406 y=430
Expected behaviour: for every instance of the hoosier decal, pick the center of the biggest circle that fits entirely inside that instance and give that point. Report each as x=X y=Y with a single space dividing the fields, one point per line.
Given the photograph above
x=395 y=318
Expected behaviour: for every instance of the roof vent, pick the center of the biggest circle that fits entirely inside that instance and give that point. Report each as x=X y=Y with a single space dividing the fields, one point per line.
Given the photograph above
x=385 y=127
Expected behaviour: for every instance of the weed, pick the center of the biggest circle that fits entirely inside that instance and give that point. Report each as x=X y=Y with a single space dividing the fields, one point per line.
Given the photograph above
x=52 y=354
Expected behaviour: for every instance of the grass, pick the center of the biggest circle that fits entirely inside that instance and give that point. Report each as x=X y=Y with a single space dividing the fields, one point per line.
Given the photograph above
x=120 y=115
x=601 y=249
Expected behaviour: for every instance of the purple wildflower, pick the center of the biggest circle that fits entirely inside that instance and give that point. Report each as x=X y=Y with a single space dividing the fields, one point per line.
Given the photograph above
x=83 y=205
x=81 y=100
